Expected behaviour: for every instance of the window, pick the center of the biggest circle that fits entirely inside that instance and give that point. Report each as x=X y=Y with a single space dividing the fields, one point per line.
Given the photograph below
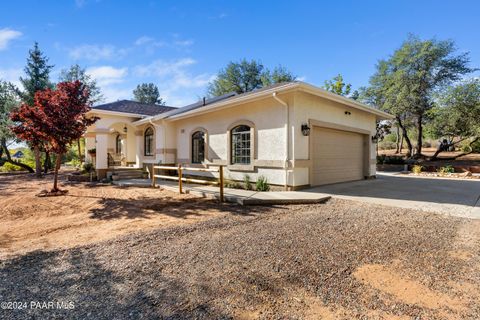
x=149 y=142
x=118 y=145
x=241 y=145
x=198 y=147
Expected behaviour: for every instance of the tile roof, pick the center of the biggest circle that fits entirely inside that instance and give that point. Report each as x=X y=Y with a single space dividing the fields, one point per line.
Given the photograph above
x=134 y=107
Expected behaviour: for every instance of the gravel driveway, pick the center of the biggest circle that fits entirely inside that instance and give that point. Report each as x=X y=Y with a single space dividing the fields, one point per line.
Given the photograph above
x=336 y=260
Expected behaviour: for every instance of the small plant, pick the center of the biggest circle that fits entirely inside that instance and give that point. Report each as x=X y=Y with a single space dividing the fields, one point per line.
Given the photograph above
x=417 y=169
x=88 y=167
x=446 y=169
x=246 y=182
x=230 y=183
x=262 y=184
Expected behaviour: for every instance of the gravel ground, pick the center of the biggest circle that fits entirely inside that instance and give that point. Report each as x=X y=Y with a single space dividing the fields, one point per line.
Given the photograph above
x=339 y=260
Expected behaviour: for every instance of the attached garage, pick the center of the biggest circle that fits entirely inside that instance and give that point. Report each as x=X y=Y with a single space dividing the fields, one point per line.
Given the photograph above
x=337 y=156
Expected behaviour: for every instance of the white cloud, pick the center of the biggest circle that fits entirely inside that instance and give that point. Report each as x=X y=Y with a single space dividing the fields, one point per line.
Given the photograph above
x=12 y=75
x=7 y=35
x=143 y=40
x=150 y=43
x=107 y=75
x=96 y=52
x=183 y=43
x=162 y=68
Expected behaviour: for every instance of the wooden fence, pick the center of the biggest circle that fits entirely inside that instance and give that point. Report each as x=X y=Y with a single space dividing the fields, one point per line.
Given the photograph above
x=180 y=178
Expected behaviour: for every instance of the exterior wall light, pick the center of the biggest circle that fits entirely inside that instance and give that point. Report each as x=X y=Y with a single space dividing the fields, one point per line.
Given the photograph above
x=125 y=129
x=375 y=139
x=305 y=129
x=348 y=113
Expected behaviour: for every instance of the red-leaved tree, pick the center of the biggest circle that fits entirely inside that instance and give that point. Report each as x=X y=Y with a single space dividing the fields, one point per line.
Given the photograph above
x=57 y=119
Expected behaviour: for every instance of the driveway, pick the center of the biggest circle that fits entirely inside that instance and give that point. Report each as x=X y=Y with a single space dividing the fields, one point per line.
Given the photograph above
x=450 y=196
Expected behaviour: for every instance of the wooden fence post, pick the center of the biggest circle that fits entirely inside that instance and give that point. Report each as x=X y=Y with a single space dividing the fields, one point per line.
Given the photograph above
x=221 y=183
x=153 y=177
x=180 y=178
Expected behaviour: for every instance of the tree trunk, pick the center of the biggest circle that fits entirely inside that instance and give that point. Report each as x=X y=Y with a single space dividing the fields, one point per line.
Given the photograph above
x=435 y=155
x=418 y=148
x=4 y=148
x=38 y=164
x=79 y=151
x=401 y=144
x=48 y=163
x=405 y=137
x=397 y=140
x=55 y=175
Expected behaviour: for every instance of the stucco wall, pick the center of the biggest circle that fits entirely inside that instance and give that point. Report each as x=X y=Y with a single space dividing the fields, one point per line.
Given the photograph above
x=268 y=117
x=309 y=107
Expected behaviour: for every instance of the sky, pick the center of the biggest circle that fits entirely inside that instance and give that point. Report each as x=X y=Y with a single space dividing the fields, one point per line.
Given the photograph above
x=181 y=45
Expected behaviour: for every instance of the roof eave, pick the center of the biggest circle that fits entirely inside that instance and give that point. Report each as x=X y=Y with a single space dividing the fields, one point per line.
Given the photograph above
x=116 y=113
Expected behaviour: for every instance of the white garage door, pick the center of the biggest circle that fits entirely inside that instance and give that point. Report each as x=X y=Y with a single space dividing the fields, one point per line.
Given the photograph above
x=338 y=156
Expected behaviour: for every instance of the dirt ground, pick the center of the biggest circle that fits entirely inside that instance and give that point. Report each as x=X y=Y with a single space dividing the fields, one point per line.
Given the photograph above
x=198 y=259
x=472 y=157
x=88 y=213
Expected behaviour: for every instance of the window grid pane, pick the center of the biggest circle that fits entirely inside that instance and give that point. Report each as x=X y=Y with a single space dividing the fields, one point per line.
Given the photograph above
x=241 y=145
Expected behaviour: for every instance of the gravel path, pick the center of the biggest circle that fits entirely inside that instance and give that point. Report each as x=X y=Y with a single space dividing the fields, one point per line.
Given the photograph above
x=339 y=260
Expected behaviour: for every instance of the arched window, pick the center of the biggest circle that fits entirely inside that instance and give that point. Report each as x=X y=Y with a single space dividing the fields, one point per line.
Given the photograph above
x=118 y=144
x=241 y=145
x=198 y=147
x=148 y=139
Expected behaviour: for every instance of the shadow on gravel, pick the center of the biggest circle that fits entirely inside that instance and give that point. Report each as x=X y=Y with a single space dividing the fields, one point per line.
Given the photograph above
x=173 y=207
x=76 y=278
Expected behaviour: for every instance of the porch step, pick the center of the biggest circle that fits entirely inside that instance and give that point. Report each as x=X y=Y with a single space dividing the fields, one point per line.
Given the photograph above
x=128 y=174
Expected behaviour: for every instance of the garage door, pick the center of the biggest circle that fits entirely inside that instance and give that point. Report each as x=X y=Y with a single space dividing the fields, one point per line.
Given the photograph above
x=338 y=156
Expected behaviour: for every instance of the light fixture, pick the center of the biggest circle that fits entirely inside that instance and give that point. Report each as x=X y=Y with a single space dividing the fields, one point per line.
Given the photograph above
x=125 y=129
x=305 y=129
x=348 y=113
x=375 y=139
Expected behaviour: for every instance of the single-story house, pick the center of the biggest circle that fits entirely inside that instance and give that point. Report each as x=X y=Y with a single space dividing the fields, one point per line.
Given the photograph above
x=294 y=134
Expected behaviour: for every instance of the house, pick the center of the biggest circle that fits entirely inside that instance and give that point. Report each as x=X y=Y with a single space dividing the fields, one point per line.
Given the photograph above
x=18 y=155
x=294 y=134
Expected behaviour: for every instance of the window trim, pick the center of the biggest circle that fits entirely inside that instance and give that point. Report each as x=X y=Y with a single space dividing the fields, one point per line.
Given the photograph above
x=253 y=147
x=192 y=155
x=118 y=140
x=152 y=143
x=206 y=159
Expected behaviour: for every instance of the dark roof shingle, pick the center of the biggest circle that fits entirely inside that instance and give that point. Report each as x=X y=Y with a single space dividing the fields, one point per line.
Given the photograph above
x=134 y=107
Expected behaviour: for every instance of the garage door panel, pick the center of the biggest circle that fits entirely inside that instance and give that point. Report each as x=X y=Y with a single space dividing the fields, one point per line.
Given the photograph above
x=337 y=156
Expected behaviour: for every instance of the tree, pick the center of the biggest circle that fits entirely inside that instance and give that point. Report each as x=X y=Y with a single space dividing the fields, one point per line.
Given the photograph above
x=8 y=100
x=37 y=78
x=246 y=76
x=148 y=93
x=278 y=75
x=457 y=115
x=74 y=73
x=409 y=79
x=58 y=118
x=338 y=86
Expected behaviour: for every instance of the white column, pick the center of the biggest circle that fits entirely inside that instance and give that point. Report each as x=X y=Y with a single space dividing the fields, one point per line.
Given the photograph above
x=139 y=148
x=101 y=154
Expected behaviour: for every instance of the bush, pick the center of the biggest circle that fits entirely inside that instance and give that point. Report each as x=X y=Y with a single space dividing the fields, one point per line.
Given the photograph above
x=230 y=183
x=384 y=159
x=88 y=166
x=262 y=184
x=8 y=167
x=246 y=182
x=387 y=145
x=475 y=147
x=446 y=169
x=417 y=169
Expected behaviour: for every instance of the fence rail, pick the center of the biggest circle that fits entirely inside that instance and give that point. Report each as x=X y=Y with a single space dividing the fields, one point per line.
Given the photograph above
x=181 y=169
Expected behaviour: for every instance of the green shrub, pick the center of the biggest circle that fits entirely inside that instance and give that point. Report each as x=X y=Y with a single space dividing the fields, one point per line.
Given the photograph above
x=8 y=167
x=230 y=183
x=246 y=182
x=88 y=166
x=446 y=169
x=384 y=159
x=262 y=184
x=381 y=159
x=417 y=169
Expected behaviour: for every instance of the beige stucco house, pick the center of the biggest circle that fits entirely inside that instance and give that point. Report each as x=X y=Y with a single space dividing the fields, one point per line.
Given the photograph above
x=294 y=134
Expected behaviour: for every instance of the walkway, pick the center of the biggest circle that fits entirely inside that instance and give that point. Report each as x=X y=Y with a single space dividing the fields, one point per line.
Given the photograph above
x=240 y=196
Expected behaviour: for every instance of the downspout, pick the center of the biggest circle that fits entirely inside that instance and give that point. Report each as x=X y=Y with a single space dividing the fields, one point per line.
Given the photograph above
x=287 y=135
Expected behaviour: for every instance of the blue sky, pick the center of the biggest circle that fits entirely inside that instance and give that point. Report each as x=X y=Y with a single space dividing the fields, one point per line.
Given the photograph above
x=180 y=45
